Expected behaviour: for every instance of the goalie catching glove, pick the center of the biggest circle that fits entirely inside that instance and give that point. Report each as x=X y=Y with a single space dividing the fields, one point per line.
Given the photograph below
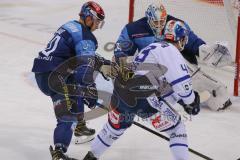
x=216 y=55
x=193 y=108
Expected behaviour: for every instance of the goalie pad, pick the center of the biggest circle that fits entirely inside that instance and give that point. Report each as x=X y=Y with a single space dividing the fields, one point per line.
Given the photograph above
x=218 y=91
x=216 y=55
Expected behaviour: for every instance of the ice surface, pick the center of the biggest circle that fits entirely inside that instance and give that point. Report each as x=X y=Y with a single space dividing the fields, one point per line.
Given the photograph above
x=27 y=118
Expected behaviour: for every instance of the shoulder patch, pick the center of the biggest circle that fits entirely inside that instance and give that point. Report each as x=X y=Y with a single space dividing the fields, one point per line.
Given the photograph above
x=72 y=27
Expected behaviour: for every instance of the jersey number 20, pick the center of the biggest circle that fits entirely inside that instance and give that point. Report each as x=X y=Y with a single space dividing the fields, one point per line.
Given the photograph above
x=52 y=45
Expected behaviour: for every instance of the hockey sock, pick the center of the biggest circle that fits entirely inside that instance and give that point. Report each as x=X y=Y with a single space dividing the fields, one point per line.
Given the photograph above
x=178 y=142
x=105 y=139
x=63 y=134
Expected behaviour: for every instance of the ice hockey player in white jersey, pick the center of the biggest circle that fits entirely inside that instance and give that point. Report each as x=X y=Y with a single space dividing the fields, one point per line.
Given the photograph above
x=150 y=28
x=158 y=70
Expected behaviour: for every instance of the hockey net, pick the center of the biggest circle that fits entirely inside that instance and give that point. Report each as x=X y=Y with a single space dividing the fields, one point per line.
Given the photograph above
x=213 y=20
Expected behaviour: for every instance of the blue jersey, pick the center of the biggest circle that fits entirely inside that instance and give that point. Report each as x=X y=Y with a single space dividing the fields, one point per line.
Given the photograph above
x=71 y=39
x=137 y=35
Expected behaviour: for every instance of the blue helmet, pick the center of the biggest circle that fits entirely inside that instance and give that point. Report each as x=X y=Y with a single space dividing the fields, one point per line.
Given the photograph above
x=92 y=9
x=176 y=31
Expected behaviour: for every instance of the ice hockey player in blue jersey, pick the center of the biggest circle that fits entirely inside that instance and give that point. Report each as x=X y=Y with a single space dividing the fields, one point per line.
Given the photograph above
x=67 y=64
x=137 y=35
x=143 y=95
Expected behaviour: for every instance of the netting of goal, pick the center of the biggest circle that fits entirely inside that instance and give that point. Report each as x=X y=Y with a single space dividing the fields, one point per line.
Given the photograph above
x=212 y=20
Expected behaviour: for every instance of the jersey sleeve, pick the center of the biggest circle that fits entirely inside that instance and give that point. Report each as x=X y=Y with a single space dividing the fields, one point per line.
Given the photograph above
x=124 y=45
x=85 y=47
x=85 y=50
x=177 y=74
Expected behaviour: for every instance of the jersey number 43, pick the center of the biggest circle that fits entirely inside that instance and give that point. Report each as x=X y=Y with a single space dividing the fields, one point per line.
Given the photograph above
x=145 y=52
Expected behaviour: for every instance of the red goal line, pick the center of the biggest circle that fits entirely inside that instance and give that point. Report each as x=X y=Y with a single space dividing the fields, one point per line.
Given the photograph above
x=215 y=2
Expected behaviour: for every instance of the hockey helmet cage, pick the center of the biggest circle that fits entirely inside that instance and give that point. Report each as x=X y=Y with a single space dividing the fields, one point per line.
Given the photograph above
x=156 y=17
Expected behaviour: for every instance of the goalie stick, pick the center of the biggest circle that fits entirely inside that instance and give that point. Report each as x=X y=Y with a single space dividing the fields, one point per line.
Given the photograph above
x=204 y=95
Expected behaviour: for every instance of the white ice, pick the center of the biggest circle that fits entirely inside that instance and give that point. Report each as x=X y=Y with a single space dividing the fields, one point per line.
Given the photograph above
x=27 y=119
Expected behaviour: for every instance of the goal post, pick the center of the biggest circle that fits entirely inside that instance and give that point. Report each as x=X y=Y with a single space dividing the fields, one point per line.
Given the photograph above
x=212 y=20
x=131 y=10
x=237 y=61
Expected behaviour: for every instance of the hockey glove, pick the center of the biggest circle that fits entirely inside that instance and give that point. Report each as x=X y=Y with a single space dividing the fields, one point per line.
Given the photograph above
x=109 y=71
x=107 y=68
x=193 y=108
x=92 y=96
x=99 y=61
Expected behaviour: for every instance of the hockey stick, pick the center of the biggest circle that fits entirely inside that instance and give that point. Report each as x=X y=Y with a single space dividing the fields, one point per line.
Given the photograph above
x=159 y=134
x=167 y=139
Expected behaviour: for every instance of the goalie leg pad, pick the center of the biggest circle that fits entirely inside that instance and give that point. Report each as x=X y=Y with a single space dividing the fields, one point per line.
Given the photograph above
x=105 y=139
x=219 y=94
x=219 y=100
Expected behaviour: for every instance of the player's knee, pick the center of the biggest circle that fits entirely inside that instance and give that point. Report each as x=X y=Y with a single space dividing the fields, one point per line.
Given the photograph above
x=62 y=111
x=119 y=120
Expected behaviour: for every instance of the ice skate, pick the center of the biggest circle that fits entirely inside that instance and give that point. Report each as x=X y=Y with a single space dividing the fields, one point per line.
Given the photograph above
x=227 y=104
x=82 y=133
x=58 y=154
x=90 y=156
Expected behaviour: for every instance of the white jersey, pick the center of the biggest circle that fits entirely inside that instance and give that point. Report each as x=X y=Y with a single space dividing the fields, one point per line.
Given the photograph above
x=166 y=55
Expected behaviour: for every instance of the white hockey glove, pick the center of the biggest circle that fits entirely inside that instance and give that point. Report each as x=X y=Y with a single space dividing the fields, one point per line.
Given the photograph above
x=107 y=68
x=109 y=71
x=216 y=55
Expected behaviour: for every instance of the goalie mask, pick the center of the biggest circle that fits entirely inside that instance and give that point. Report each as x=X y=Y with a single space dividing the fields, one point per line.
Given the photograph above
x=156 y=17
x=175 y=31
x=93 y=10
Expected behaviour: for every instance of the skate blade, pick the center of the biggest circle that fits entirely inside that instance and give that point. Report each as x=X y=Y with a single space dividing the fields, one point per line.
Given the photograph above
x=83 y=139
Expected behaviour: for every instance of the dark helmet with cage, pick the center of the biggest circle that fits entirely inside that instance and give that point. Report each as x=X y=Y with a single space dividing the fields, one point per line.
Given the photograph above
x=93 y=10
x=176 y=31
